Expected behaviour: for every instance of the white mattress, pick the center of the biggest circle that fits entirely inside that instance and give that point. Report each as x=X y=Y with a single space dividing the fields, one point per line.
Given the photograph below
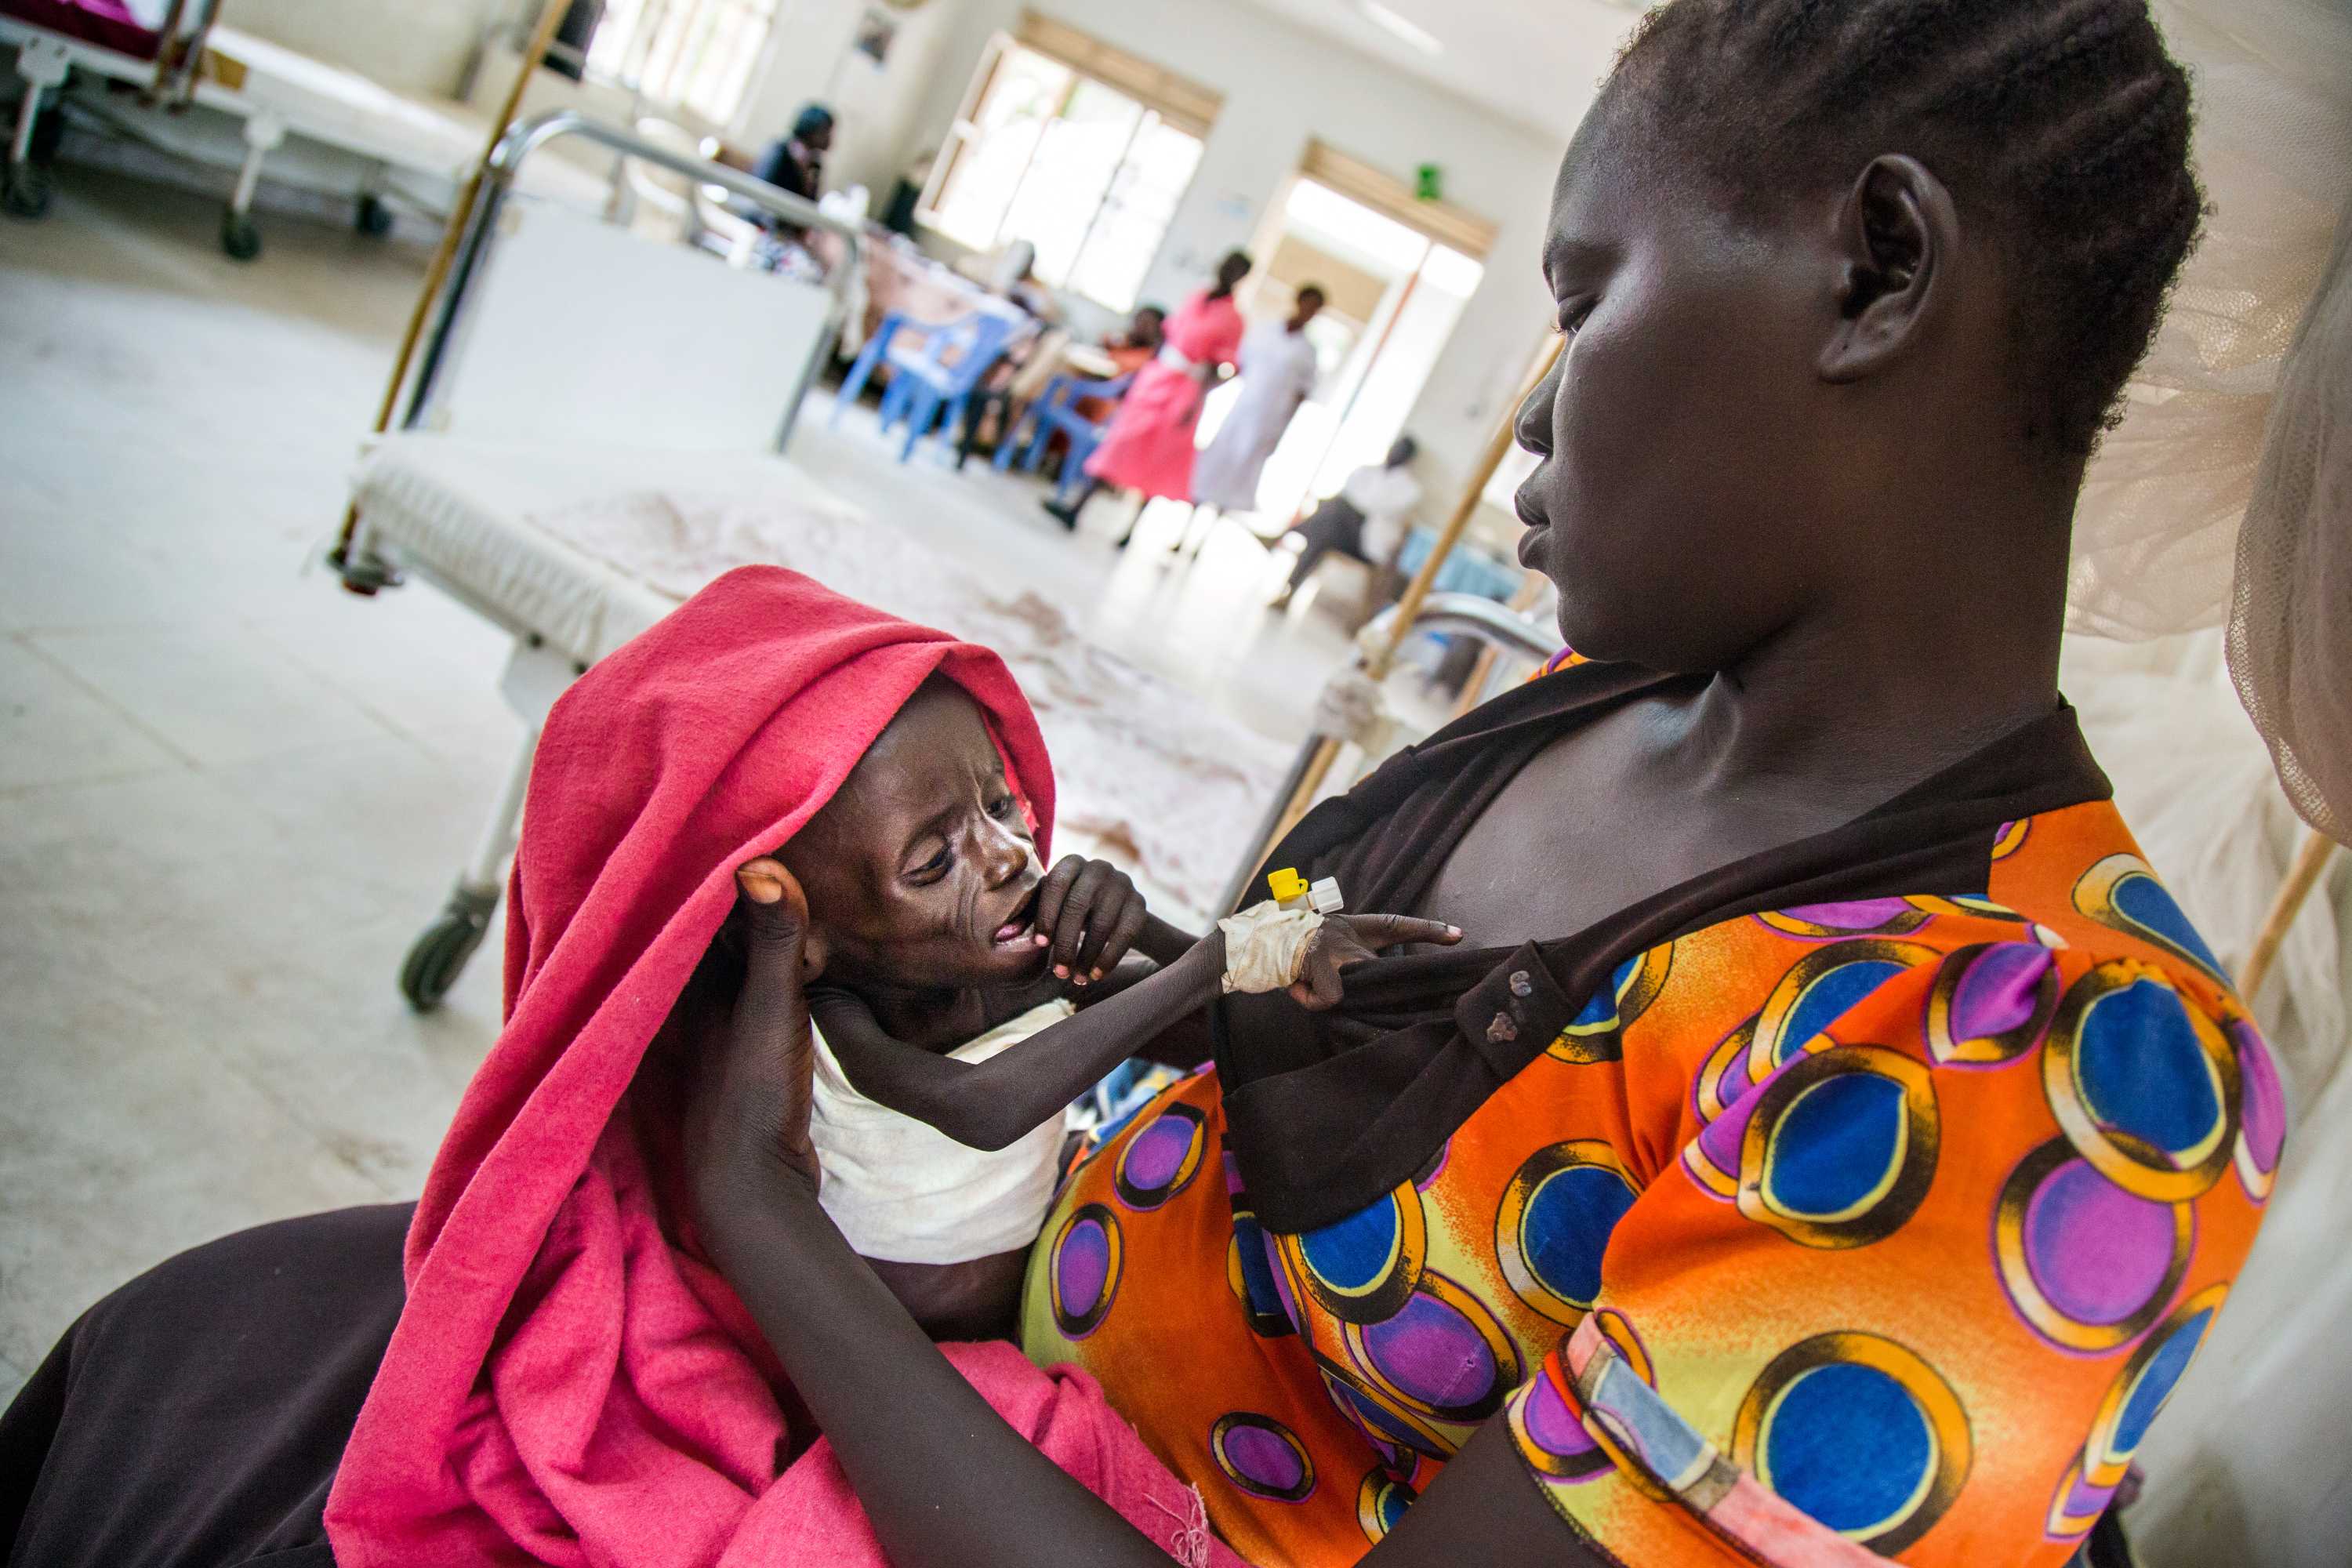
x=588 y=547
x=469 y=516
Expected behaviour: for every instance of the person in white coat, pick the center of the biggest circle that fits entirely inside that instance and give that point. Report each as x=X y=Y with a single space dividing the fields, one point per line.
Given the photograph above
x=1278 y=373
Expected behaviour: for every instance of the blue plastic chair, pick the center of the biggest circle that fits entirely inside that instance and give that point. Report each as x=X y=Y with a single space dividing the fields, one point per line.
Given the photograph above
x=1055 y=412
x=932 y=381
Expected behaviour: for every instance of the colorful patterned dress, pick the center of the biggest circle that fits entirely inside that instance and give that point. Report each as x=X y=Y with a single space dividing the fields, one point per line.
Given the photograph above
x=1832 y=1224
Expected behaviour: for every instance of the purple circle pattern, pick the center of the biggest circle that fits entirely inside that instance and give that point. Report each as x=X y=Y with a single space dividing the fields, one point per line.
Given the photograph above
x=1084 y=1270
x=1161 y=1159
x=1991 y=1003
x=1441 y=1355
x=1261 y=1455
x=2261 y=1112
x=2097 y=1252
x=2087 y=1263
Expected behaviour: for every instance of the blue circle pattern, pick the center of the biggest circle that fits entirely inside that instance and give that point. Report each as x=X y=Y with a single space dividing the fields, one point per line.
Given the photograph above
x=1566 y=1227
x=1353 y=1253
x=1601 y=1007
x=1828 y=999
x=2156 y=1381
x=1824 y=1422
x=1836 y=1144
x=2143 y=1071
x=2142 y=900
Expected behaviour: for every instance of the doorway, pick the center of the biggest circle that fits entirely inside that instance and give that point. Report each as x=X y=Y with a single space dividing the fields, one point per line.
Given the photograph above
x=1397 y=274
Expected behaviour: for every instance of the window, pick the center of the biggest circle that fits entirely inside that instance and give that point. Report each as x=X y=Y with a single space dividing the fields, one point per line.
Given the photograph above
x=1079 y=150
x=697 y=55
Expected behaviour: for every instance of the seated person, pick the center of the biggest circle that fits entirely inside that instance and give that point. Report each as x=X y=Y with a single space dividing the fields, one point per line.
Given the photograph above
x=932 y=924
x=1012 y=388
x=1829 y=1142
x=794 y=163
x=1130 y=351
x=1365 y=522
x=1014 y=278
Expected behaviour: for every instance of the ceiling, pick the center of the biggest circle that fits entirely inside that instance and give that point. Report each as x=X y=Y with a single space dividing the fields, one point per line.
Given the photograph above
x=1534 y=61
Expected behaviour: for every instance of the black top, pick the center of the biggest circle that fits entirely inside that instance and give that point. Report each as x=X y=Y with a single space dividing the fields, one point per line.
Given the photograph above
x=196 y=1417
x=787 y=170
x=1326 y=1112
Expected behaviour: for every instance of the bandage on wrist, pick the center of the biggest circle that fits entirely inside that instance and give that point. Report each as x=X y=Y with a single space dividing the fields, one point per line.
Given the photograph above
x=1265 y=947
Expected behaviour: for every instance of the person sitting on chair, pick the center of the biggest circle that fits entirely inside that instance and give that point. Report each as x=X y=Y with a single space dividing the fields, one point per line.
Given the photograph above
x=796 y=163
x=1366 y=521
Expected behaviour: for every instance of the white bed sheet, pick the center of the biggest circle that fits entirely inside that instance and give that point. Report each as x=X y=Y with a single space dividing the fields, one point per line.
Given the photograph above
x=588 y=547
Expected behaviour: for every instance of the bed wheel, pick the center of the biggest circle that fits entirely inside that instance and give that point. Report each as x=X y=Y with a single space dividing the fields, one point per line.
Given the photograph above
x=440 y=954
x=240 y=236
x=374 y=218
x=29 y=191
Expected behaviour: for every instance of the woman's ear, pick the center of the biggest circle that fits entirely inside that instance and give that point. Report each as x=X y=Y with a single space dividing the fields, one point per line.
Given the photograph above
x=1897 y=236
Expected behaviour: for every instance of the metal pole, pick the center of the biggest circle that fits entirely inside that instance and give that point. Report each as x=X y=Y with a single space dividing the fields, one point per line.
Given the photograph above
x=551 y=16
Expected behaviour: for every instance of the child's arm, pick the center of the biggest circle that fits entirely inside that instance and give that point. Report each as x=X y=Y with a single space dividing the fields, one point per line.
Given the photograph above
x=988 y=1105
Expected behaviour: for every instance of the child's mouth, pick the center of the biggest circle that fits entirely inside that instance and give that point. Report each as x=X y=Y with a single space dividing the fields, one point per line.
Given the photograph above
x=1016 y=929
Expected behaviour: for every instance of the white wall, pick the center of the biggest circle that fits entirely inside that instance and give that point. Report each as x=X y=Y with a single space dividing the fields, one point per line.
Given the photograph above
x=410 y=46
x=810 y=60
x=1282 y=86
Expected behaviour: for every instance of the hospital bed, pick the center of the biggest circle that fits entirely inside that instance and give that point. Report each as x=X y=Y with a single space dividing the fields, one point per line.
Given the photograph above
x=227 y=98
x=613 y=442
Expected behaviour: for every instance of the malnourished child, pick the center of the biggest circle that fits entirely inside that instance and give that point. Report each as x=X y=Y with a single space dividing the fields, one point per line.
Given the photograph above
x=965 y=997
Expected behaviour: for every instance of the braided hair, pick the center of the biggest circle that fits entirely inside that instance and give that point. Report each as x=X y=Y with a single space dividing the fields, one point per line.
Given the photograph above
x=2061 y=125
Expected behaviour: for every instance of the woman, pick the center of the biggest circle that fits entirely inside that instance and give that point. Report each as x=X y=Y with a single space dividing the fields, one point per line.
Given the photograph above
x=1277 y=375
x=1838 y=1144
x=1148 y=447
x=1841 y=1143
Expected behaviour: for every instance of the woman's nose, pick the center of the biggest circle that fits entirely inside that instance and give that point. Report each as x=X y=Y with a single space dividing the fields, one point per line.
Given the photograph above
x=1532 y=430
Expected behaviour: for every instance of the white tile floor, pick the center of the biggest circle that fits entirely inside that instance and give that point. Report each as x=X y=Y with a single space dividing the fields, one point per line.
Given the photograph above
x=230 y=794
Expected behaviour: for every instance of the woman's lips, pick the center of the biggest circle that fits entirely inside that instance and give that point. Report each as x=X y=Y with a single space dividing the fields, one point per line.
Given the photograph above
x=1532 y=520
x=1528 y=541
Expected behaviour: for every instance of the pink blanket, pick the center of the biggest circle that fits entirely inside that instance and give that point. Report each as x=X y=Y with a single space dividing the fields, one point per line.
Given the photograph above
x=568 y=1382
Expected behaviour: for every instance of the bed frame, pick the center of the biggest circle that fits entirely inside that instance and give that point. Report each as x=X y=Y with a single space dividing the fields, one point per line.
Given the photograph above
x=543 y=663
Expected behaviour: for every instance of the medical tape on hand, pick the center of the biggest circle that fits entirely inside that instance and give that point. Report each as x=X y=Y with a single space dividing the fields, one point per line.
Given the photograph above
x=1265 y=947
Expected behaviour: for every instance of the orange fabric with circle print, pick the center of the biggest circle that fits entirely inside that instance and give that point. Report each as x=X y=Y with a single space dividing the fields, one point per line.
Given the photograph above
x=1841 y=1233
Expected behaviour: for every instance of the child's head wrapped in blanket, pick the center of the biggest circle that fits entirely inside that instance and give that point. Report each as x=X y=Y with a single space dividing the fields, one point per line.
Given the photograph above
x=571 y=1380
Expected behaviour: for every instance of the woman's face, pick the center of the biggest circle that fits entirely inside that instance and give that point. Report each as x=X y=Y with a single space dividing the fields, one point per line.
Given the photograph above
x=1682 y=431
x=922 y=871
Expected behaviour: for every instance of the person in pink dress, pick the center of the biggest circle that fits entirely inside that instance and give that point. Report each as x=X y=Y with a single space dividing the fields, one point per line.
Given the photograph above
x=1148 y=447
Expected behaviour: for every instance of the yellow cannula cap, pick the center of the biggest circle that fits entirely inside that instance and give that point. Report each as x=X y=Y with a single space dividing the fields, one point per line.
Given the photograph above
x=1286 y=884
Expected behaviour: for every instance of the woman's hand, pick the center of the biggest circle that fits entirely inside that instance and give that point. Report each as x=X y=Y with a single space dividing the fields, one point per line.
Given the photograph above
x=1342 y=941
x=1090 y=913
x=746 y=1118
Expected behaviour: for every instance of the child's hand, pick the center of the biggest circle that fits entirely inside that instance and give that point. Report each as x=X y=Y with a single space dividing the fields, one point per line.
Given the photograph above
x=1342 y=941
x=1090 y=914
